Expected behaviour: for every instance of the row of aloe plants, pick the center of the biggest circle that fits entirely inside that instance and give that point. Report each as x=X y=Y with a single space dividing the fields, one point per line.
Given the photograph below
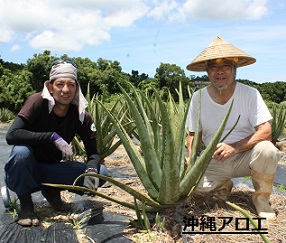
x=160 y=127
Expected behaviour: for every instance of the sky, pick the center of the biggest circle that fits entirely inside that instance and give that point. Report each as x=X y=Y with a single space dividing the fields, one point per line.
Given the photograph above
x=142 y=34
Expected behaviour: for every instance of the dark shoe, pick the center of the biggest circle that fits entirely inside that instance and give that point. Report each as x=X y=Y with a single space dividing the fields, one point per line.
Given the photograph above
x=27 y=216
x=53 y=196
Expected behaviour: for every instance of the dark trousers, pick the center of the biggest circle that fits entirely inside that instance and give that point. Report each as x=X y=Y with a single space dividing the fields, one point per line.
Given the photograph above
x=25 y=175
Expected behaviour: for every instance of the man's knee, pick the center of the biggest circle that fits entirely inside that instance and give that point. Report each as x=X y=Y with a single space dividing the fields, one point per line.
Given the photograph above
x=265 y=157
x=20 y=153
x=266 y=148
x=20 y=156
x=20 y=164
x=21 y=150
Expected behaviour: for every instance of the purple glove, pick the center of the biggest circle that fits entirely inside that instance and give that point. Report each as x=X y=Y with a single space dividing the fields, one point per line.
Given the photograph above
x=64 y=147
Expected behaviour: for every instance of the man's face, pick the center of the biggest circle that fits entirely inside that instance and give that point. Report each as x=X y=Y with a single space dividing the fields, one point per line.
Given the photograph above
x=63 y=90
x=221 y=72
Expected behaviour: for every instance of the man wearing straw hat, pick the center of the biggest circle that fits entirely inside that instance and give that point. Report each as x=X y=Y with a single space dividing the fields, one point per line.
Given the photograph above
x=247 y=150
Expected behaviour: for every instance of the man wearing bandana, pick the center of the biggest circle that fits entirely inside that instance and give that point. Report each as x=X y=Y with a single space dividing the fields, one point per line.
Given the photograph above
x=41 y=135
x=247 y=150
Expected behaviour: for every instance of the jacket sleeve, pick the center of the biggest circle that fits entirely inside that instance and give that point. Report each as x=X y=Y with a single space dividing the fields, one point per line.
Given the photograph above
x=20 y=133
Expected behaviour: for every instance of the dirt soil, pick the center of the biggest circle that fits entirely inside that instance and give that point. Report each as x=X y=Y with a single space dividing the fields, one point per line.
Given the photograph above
x=197 y=207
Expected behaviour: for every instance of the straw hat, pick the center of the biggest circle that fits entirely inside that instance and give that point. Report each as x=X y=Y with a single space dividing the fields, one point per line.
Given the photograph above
x=219 y=49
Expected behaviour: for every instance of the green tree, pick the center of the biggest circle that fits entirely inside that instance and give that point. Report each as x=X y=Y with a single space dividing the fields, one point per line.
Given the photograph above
x=39 y=66
x=204 y=78
x=274 y=91
x=111 y=75
x=15 y=89
x=135 y=78
x=248 y=82
x=5 y=97
x=13 y=67
x=87 y=74
x=147 y=84
x=170 y=76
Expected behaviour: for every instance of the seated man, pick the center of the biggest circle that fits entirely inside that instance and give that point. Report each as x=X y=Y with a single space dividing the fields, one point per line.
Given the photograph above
x=41 y=135
x=248 y=150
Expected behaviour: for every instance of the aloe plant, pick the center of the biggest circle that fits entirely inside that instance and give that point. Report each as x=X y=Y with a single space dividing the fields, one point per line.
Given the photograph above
x=278 y=122
x=105 y=131
x=160 y=163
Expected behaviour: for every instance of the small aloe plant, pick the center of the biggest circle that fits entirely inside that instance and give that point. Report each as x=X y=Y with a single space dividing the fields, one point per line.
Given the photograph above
x=278 y=122
x=105 y=131
x=160 y=162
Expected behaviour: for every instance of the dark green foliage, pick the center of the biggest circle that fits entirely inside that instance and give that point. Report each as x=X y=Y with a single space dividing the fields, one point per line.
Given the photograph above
x=14 y=89
x=248 y=82
x=13 y=67
x=199 y=78
x=6 y=115
x=275 y=92
x=169 y=76
x=39 y=67
x=18 y=81
x=135 y=78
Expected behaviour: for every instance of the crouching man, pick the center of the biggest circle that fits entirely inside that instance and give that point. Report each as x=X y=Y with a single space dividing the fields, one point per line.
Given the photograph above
x=41 y=135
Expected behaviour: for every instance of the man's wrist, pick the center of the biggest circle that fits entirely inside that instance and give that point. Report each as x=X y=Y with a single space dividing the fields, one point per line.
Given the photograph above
x=91 y=170
x=93 y=162
x=55 y=136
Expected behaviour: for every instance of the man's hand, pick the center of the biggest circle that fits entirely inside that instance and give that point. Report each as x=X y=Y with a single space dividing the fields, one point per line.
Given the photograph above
x=91 y=182
x=187 y=161
x=64 y=147
x=223 y=151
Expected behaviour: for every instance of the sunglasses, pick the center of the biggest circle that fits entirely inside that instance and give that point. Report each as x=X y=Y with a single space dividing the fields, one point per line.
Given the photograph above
x=63 y=61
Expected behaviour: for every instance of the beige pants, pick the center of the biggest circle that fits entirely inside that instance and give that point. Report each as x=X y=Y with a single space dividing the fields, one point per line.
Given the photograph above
x=263 y=158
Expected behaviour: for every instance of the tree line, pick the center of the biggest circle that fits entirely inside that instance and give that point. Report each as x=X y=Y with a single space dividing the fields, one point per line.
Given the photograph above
x=19 y=81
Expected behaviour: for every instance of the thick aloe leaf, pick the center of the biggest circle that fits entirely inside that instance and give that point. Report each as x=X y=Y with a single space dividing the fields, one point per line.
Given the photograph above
x=144 y=130
x=193 y=156
x=154 y=122
x=168 y=193
x=252 y=221
x=134 y=155
x=180 y=130
x=141 y=197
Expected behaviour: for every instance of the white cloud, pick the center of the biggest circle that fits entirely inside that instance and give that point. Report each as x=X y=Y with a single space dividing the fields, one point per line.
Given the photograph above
x=15 y=47
x=223 y=9
x=6 y=34
x=66 y=25
x=163 y=8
